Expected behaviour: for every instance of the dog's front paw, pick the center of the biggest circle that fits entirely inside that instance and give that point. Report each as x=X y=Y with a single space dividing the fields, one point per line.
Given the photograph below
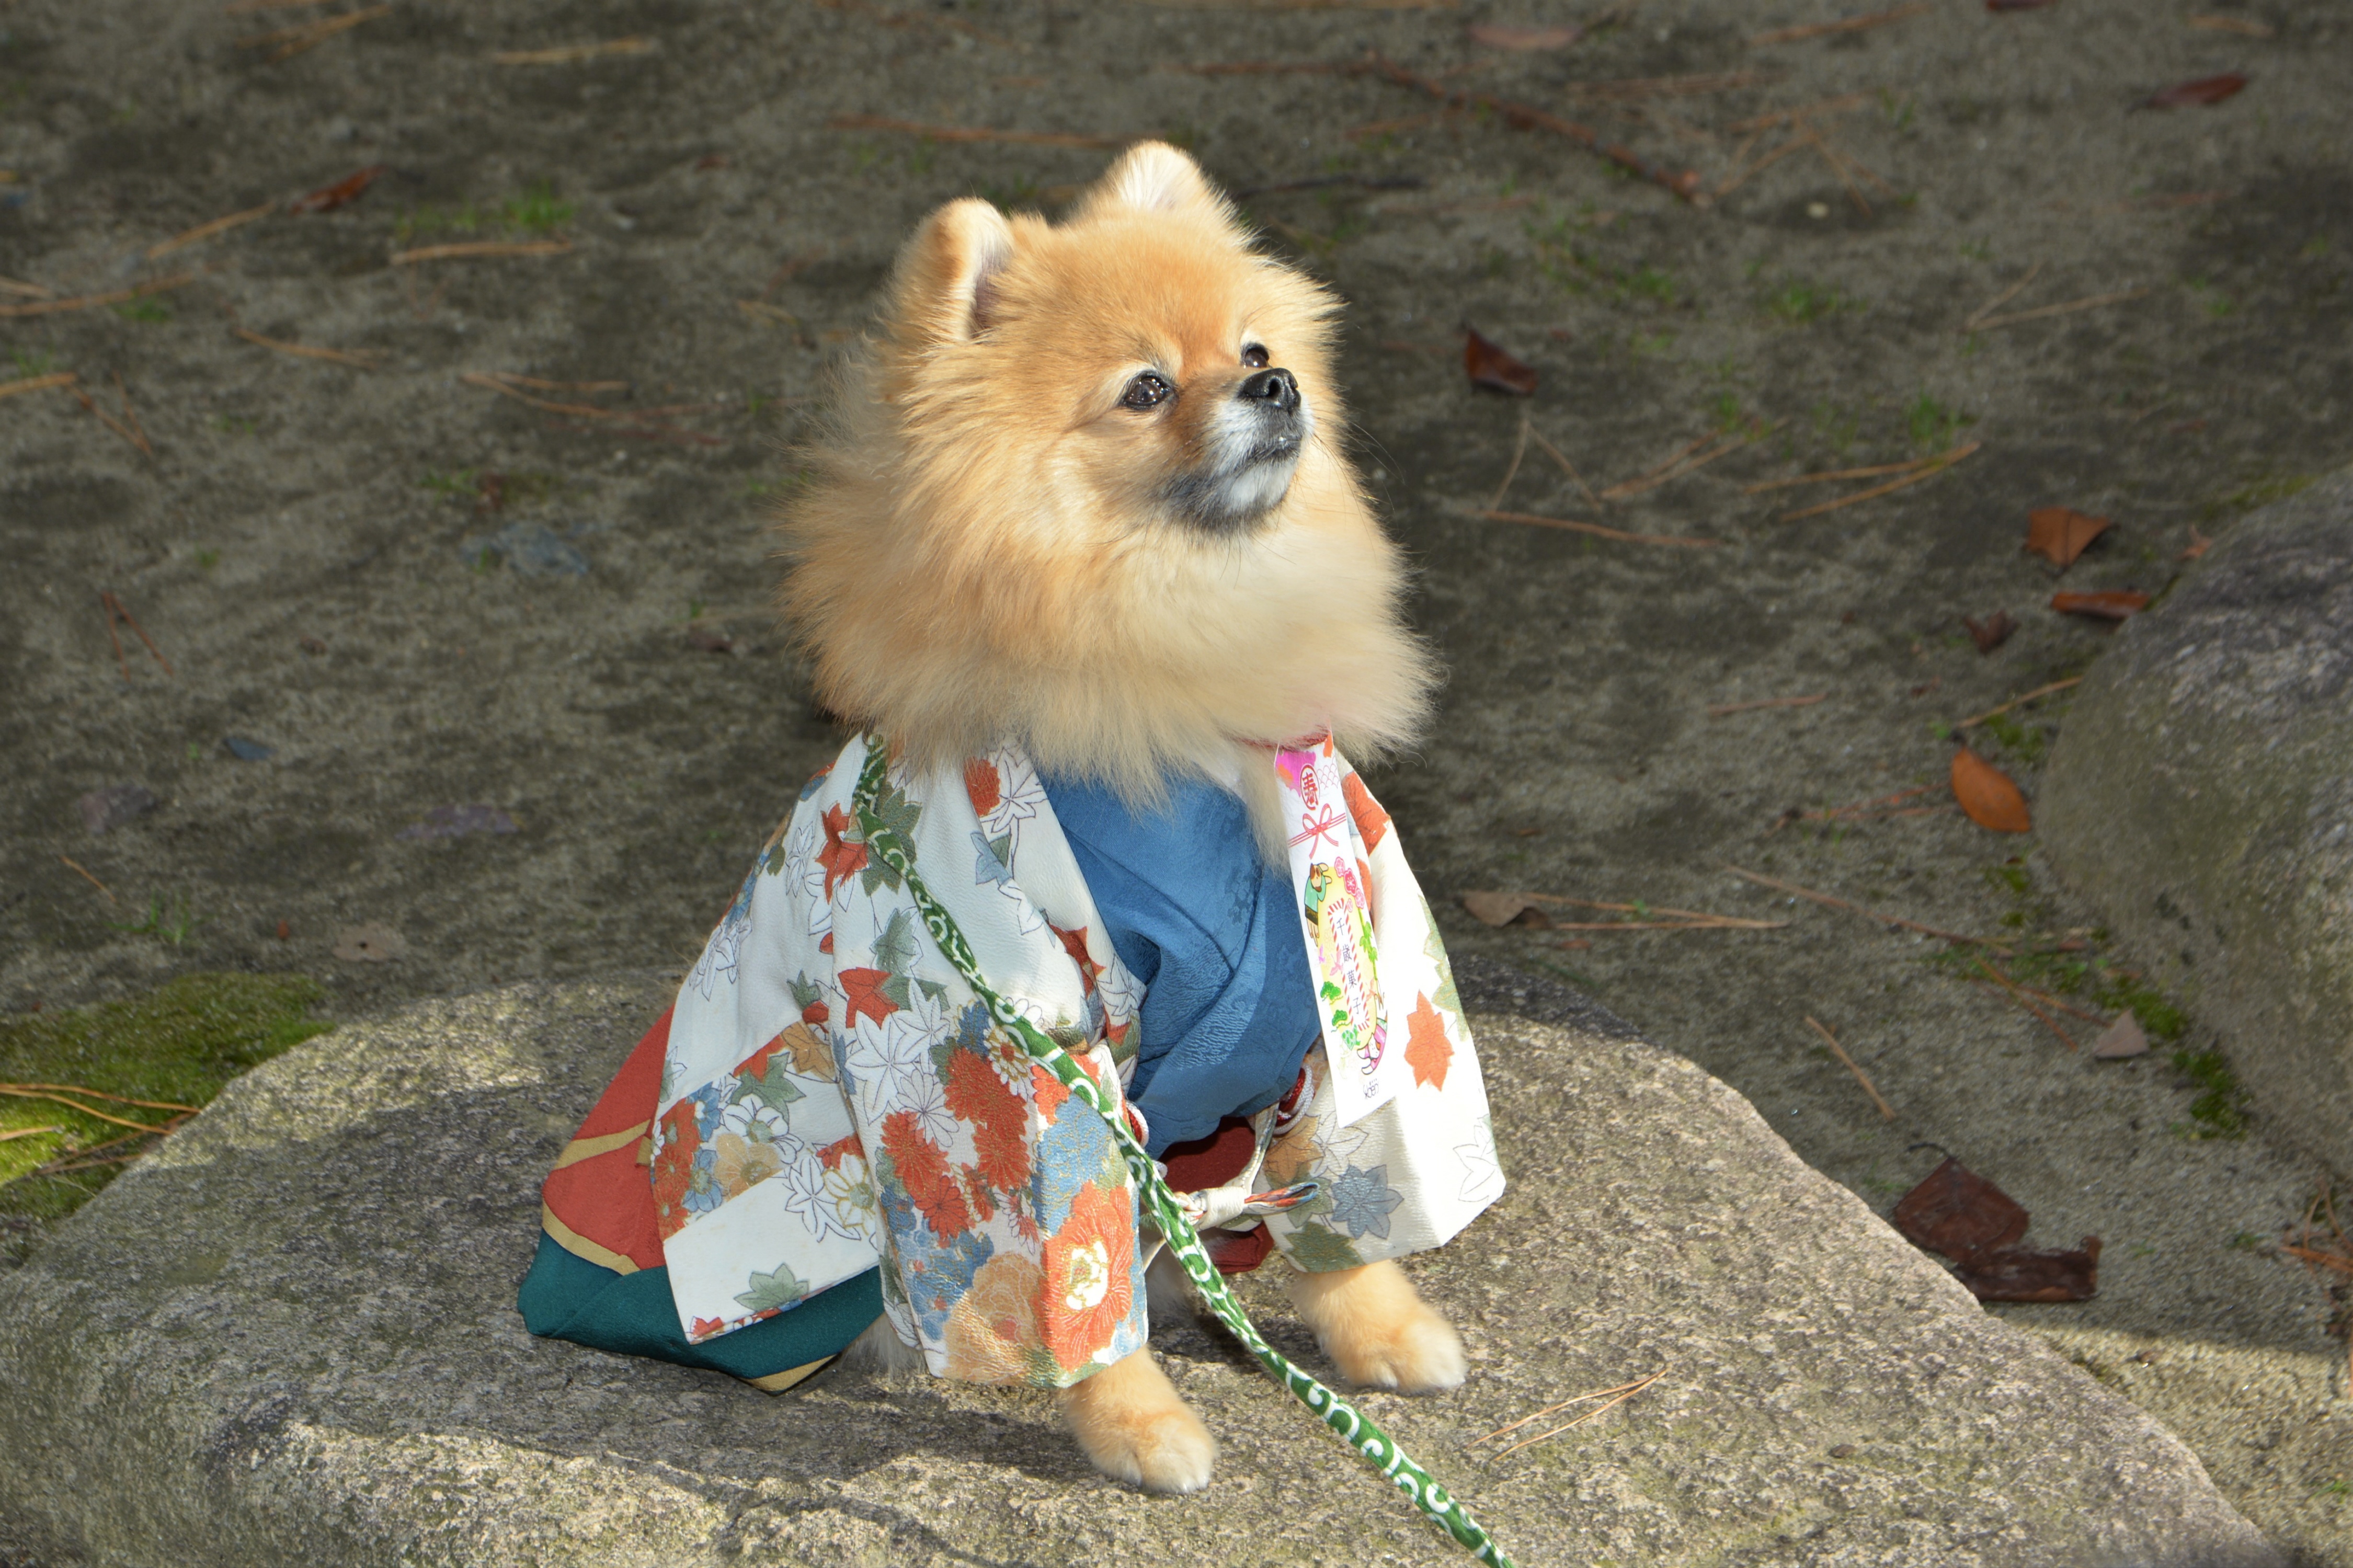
x=1378 y=1331
x=1132 y=1423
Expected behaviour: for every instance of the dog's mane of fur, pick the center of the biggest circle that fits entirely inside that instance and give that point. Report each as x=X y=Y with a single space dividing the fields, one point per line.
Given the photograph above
x=965 y=573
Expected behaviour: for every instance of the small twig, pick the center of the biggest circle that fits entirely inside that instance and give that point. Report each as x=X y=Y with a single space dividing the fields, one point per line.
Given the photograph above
x=1827 y=901
x=2087 y=303
x=1671 y=86
x=1519 y=451
x=1632 y=1387
x=112 y=423
x=2016 y=702
x=479 y=247
x=30 y=291
x=969 y=133
x=1869 y=473
x=572 y=54
x=1526 y=117
x=1815 y=139
x=106 y=605
x=18 y=1091
x=35 y=383
x=1740 y=177
x=115 y=606
x=1663 y=469
x=293 y=40
x=1844 y=24
x=1998 y=300
x=1677 y=540
x=130 y=416
x=1718 y=711
x=2048 y=1000
x=84 y=872
x=1886 y=1110
x=110 y=1098
x=86 y=302
x=207 y=230
x=2010 y=985
x=363 y=360
x=16 y=1132
x=1732 y=443
x=2314 y=1255
x=1594 y=1415
x=1567 y=467
x=1935 y=465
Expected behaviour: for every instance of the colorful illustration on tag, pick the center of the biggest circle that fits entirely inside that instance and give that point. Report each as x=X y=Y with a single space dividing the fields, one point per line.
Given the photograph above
x=1350 y=992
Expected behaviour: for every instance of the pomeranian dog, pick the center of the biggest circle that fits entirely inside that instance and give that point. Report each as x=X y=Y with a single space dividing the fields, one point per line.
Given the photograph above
x=1086 y=495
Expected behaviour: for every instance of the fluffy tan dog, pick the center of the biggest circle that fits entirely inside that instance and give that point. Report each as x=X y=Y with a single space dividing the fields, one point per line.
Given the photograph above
x=1087 y=494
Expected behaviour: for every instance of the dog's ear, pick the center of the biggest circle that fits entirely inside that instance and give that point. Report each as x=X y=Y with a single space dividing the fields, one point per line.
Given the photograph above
x=945 y=291
x=1153 y=176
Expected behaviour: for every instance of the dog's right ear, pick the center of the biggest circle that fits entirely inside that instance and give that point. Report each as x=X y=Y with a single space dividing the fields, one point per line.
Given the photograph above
x=945 y=291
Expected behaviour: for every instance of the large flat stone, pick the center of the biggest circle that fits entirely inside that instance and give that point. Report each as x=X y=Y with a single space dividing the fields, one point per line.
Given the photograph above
x=287 y=1339
x=2201 y=795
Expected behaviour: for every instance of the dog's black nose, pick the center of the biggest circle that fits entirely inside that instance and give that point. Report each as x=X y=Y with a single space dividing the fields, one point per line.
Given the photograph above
x=1271 y=386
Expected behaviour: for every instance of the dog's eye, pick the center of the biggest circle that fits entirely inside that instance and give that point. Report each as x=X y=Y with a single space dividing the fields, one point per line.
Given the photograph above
x=1254 y=355
x=1146 y=391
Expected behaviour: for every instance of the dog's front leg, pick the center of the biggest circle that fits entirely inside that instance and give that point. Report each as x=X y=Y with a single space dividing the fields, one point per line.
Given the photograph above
x=1378 y=1331
x=1131 y=1421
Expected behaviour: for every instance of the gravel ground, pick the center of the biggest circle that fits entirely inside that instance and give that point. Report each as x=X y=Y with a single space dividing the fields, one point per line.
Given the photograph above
x=418 y=591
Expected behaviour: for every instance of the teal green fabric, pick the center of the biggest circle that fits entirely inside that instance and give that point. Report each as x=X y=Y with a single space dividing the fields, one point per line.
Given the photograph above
x=569 y=1298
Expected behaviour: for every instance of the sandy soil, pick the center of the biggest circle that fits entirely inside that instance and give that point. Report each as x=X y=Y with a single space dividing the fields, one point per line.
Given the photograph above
x=315 y=548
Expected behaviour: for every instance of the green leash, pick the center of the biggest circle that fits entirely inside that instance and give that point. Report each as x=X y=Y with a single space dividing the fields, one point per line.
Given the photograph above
x=1377 y=1447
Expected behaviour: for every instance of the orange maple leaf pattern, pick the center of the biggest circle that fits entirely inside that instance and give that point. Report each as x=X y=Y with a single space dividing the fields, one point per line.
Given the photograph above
x=1426 y=1050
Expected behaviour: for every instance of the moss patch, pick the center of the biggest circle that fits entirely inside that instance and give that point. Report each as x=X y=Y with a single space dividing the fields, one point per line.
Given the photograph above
x=179 y=1044
x=2221 y=1108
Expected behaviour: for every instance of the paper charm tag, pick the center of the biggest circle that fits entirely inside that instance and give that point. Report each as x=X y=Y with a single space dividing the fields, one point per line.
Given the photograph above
x=1336 y=917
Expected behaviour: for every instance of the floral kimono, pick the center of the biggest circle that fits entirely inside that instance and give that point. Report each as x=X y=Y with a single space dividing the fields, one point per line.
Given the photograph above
x=829 y=1125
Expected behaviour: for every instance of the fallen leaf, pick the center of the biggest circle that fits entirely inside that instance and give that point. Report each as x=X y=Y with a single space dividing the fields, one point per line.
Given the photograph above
x=2016 y=1274
x=113 y=805
x=1991 y=632
x=285 y=929
x=327 y=198
x=245 y=751
x=2120 y=1039
x=1504 y=908
x=1968 y=1219
x=1496 y=36
x=369 y=944
x=2062 y=533
x=2206 y=90
x=2115 y=605
x=457 y=821
x=1987 y=795
x=1491 y=367
x=1958 y=1212
x=2199 y=544
x=709 y=641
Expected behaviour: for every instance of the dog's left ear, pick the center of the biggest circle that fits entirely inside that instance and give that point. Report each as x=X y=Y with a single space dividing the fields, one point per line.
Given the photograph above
x=945 y=291
x=1153 y=176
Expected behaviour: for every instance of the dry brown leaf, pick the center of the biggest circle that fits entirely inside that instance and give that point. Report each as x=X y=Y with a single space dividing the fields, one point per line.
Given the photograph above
x=1504 y=908
x=2062 y=533
x=2017 y=1274
x=1490 y=367
x=1496 y=36
x=2122 y=1038
x=1958 y=1212
x=1991 y=633
x=2205 y=90
x=2115 y=604
x=2199 y=544
x=1987 y=795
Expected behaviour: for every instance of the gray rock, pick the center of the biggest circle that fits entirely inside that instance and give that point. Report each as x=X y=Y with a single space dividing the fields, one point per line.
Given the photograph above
x=2201 y=796
x=288 y=1338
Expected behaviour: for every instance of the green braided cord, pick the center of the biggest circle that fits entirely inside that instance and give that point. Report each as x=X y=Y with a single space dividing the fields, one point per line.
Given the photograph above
x=1358 y=1431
